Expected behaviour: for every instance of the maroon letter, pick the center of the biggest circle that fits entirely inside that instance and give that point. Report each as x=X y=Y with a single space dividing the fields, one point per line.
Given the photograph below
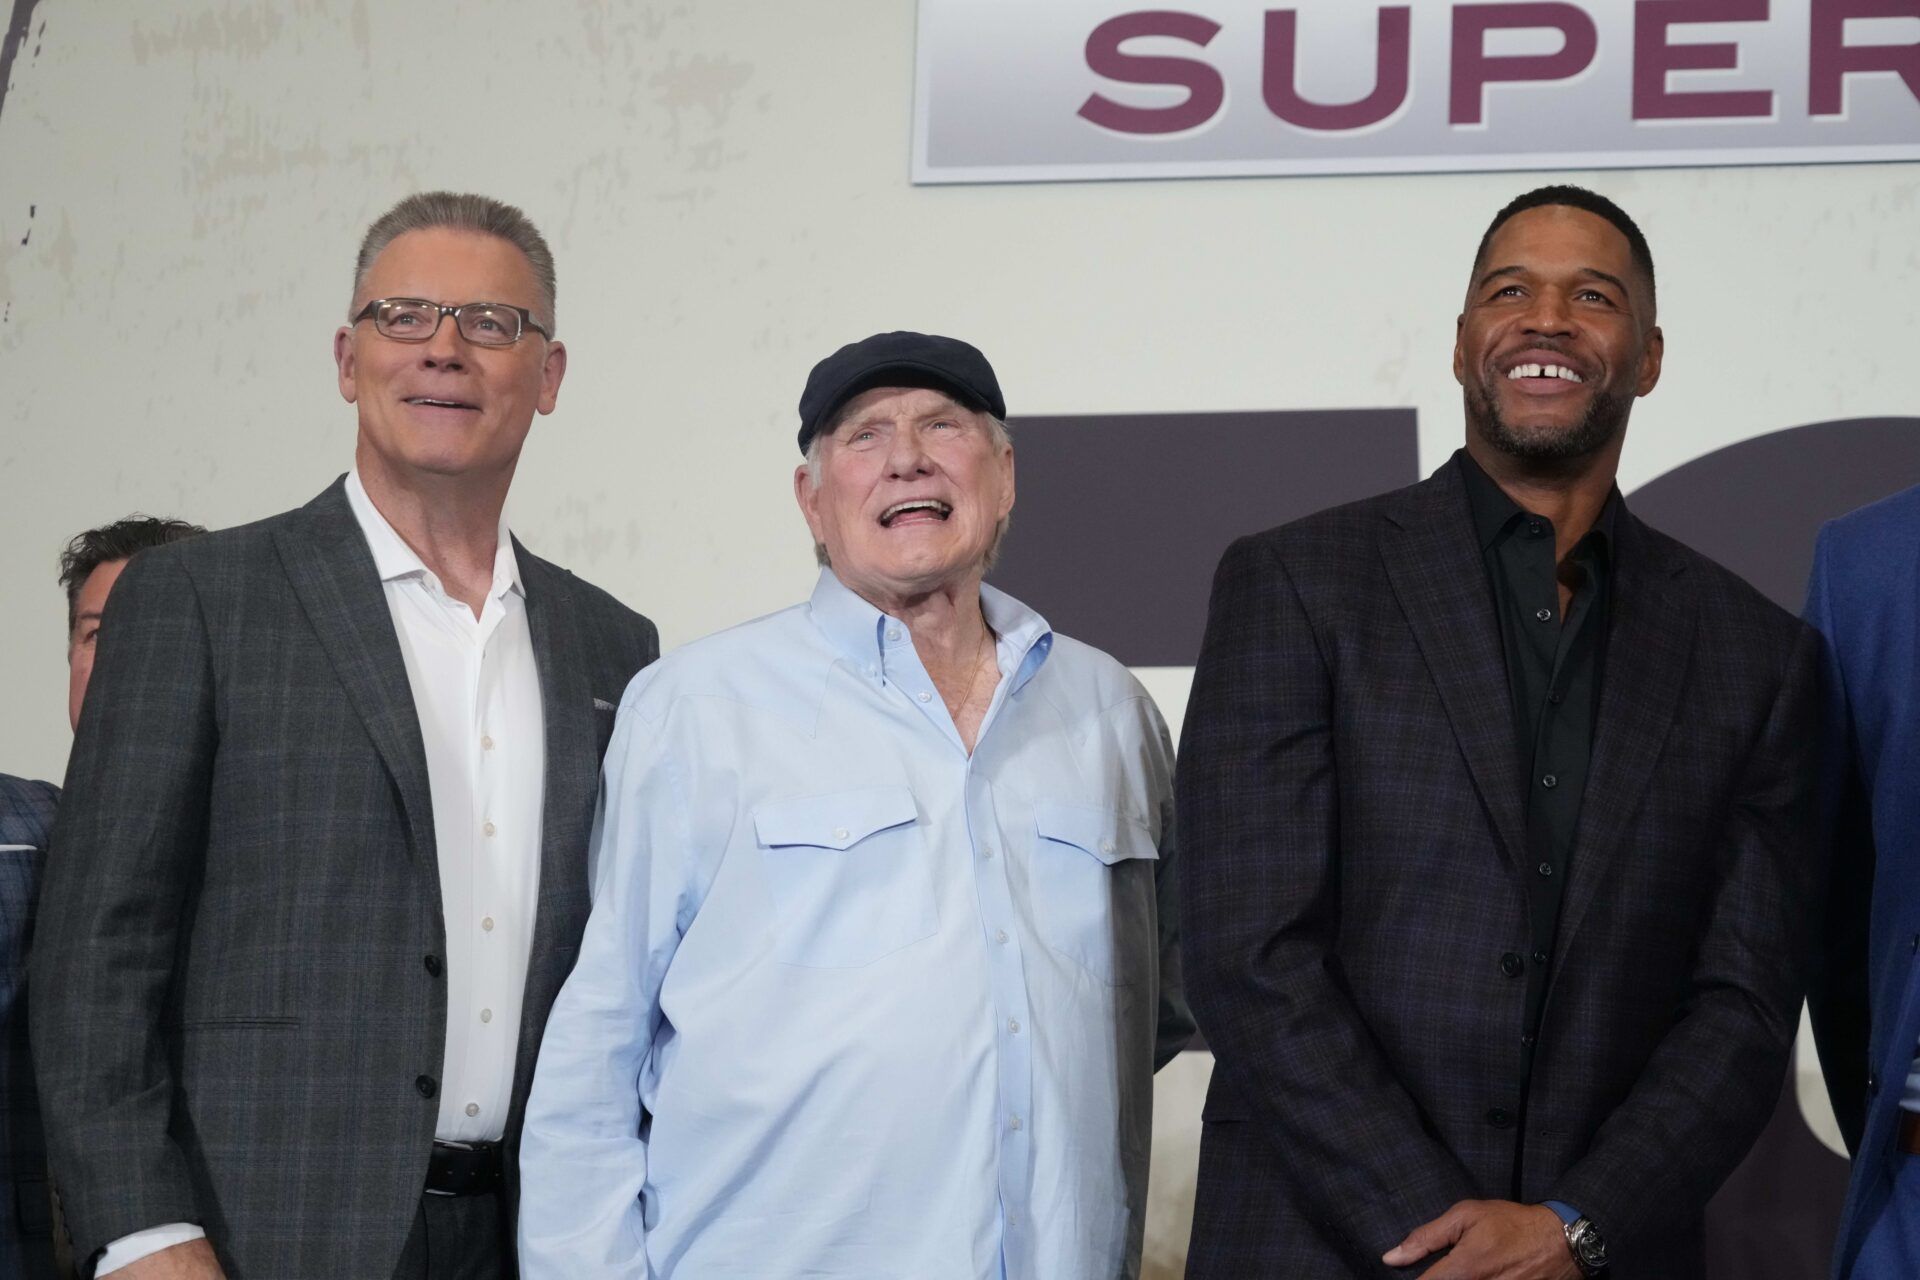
x=1278 y=84
x=1473 y=70
x=1830 y=60
x=1206 y=91
x=1653 y=58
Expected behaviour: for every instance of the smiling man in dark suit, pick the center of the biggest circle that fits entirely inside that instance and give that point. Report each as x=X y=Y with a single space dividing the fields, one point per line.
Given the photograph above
x=1496 y=830
x=320 y=867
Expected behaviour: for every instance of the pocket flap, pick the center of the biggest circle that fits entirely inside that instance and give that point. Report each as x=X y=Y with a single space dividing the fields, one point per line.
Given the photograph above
x=837 y=820
x=1107 y=835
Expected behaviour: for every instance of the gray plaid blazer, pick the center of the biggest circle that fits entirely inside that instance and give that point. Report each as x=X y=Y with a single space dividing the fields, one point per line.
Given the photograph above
x=1353 y=866
x=232 y=996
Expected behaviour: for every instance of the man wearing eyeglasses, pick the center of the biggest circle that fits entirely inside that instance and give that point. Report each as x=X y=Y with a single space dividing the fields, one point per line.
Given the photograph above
x=320 y=868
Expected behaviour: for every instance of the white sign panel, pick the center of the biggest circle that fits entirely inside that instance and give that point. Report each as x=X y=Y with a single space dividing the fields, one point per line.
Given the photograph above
x=1048 y=90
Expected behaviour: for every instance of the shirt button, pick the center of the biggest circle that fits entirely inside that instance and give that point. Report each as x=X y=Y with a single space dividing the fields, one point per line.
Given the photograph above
x=1544 y=615
x=426 y=1085
x=1511 y=965
x=925 y=696
x=839 y=833
x=1535 y=528
x=1539 y=955
x=473 y=1108
x=1013 y=1026
x=1106 y=846
x=486 y=742
x=999 y=935
x=986 y=851
x=486 y=923
x=1526 y=1038
x=873 y=671
x=1014 y=1124
x=1557 y=696
x=486 y=1015
x=488 y=828
x=1546 y=868
x=1498 y=1117
x=893 y=633
x=1550 y=781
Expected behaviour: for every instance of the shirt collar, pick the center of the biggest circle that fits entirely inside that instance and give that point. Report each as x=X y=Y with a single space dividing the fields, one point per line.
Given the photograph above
x=394 y=559
x=1494 y=512
x=866 y=635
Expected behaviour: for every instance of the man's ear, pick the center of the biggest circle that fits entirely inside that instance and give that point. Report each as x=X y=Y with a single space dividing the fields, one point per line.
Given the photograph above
x=1650 y=362
x=343 y=363
x=552 y=369
x=808 y=496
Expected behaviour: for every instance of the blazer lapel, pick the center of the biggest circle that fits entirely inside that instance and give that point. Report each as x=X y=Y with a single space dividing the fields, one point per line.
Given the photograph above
x=1433 y=563
x=1649 y=645
x=572 y=772
x=333 y=575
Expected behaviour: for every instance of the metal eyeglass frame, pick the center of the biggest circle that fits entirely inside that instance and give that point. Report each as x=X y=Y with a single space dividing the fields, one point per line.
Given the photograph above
x=527 y=321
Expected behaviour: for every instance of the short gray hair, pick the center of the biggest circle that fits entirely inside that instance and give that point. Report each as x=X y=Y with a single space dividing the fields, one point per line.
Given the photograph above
x=1002 y=437
x=461 y=211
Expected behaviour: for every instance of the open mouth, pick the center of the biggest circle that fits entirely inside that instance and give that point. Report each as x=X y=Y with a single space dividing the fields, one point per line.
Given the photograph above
x=436 y=402
x=1548 y=372
x=916 y=511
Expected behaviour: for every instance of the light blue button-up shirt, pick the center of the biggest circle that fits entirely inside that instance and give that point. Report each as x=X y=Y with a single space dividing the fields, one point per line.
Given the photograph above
x=853 y=1003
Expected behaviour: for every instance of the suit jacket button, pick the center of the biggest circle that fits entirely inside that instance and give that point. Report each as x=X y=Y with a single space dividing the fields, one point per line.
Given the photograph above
x=433 y=965
x=426 y=1086
x=1498 y=1117
x=1511 y=964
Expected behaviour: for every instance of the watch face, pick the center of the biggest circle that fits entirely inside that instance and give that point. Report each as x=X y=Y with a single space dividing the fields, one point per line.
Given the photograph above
x=1592 y=1250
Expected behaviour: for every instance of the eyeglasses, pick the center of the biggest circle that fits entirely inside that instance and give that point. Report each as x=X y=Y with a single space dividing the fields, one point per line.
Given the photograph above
x=485 y=324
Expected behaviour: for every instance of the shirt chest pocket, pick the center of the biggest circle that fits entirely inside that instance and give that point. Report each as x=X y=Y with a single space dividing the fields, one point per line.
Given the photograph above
x=1092 y=875
x=848 y=875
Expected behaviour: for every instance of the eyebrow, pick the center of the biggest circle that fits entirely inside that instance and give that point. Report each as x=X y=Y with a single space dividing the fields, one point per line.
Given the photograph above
x=1593 y=272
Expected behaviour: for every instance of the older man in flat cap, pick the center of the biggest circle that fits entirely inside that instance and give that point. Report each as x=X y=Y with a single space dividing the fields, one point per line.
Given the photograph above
x=881 y=958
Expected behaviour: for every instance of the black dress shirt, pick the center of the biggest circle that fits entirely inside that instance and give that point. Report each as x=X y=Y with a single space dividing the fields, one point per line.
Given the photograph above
x=1553 y=674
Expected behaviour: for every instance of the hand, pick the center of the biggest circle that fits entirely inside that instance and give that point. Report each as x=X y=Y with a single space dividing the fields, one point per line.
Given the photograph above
x=193 y=1260
x=1490 y=1240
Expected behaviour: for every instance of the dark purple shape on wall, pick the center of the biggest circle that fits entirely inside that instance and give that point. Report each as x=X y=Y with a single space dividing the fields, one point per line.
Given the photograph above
x=1755 y=506
x=1120 y=519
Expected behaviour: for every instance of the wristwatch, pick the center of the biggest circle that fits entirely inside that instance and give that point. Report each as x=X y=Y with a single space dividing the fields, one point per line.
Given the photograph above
x=1589 y=1247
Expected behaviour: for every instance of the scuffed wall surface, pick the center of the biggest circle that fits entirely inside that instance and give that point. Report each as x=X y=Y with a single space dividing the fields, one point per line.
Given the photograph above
x=182 y=185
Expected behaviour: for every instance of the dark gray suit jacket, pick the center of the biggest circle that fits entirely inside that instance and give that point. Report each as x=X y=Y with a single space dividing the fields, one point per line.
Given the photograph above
x=1355 y=922
x=238 y=1002
x=26 y=1236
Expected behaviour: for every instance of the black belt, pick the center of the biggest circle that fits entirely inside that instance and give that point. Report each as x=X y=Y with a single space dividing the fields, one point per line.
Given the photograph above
x=464 y=1169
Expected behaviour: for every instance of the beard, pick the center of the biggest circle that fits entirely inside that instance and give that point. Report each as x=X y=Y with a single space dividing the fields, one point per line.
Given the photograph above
x=1598 y=427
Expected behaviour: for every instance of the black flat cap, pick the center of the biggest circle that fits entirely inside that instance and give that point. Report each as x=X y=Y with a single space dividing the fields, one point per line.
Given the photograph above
x=899 y=359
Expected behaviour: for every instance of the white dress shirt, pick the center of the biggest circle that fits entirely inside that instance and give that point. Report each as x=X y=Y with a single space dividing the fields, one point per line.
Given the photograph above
x=476 y=692
x=853 y=1002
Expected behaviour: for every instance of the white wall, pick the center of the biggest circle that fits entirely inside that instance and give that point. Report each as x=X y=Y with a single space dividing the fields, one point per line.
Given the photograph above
x=725 y=186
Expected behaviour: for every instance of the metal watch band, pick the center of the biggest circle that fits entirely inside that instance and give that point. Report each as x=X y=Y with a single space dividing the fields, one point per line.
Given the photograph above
x=1588 y=1248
